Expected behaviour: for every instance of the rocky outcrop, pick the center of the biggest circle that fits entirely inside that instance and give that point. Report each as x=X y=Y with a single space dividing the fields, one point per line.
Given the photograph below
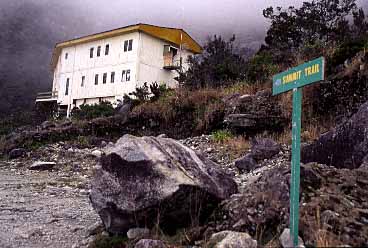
x=262 y=148
x=254 y=113
x=343 y=147
x=231 y=239
x=338 y=196
x=148 y=180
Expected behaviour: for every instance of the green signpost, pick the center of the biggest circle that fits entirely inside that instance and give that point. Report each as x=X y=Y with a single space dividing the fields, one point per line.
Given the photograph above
x=294 y=79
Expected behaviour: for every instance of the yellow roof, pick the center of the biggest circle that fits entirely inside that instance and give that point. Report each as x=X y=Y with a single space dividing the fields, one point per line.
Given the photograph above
x=171 y=35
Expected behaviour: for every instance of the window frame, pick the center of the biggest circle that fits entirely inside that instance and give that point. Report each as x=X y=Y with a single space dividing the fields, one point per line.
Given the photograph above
x=104 y=78
x=127 y=75
x=99 y=51
x=123 y=76
x=126 y=44
x=83 y=81
x=66 y=56
x=96 y=79
x=107 y=49
x=67 y=86
x=130 y=45
x=112 y=77
x=91 y=52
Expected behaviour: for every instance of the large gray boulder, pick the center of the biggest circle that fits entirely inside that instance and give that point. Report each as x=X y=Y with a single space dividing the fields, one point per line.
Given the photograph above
x=148 y=180
x=343 y=147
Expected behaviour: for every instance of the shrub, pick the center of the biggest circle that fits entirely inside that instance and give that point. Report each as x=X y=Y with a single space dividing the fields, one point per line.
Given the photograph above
x=221 y=136
x=261 y=67
x=88 y=112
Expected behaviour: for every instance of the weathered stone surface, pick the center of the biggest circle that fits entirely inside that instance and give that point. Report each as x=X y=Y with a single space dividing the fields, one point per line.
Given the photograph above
x=149 y=243
x=343 y=147
x=246 y=163
x=231 y=239
x=264 y=148
x=253 y=113
x=39 y=165
x=287 y=242
x=138 y=233
x=147 y=180
x=16 y=153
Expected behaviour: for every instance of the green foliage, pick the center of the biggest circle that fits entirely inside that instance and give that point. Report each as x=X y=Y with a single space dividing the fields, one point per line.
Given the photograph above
x=345 y=51
x=260 y=67
x=144 y=93
x=217 y=66
x=88 y=112
x=109 y=242
x=318 y=20
x=221 y=136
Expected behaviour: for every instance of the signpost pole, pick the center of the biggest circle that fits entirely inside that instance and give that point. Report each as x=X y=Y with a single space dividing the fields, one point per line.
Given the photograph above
x=294 y=79
x=295 y=164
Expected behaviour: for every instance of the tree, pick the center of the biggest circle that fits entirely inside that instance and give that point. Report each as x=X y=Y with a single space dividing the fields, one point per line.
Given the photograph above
x=318 y=21
x=217 y=66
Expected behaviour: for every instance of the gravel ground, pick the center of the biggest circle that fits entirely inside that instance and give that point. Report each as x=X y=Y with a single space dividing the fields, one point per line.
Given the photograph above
x=44 y=208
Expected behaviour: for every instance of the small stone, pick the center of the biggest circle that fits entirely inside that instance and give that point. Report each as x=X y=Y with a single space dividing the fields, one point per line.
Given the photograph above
x=17 y=153
x=286 y=241
x=97 y=153
x=42 y=166
x=149 y=243
x=138 y=233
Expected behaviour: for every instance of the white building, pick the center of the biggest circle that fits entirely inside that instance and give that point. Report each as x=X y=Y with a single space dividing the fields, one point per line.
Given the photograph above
x=105 y=66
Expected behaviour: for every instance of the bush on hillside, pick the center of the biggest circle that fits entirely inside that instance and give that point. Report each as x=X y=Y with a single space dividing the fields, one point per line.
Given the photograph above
x=88 y=112
x=181 y=114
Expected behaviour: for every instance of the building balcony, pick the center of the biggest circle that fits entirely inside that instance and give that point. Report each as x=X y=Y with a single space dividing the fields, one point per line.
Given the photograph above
x=47 y=96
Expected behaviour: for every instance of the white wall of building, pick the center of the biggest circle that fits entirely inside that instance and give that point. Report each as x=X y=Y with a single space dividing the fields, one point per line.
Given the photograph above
x=145 y=63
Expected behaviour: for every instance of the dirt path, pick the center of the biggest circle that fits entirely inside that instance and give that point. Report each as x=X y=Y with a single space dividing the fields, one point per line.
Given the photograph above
x=40 y=209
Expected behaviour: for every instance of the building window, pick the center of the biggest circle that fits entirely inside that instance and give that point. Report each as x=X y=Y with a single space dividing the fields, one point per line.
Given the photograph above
x=96 y=79
x=98 y=51
x=104 y=78
x=126 y=46
x=128 y=75
x=67 y=87
x=112 y=77
x=123 y=76
x=130 y=47
x=107 y=48
x=66 y=56
x=91 y=52
x=83 y=79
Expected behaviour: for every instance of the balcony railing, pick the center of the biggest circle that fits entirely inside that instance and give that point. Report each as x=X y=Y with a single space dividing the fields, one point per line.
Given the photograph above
x=47 y=96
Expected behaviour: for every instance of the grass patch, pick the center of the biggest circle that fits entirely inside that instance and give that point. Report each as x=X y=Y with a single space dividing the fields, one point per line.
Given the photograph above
x=221 y=136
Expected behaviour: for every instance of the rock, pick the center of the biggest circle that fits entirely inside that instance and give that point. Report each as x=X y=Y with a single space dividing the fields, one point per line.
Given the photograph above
x=309 y=177
x=147 y=180
x=286 y=240
x=246 y=163
x=253 y=113
x=95 y=228
x=264 y=148
x=231 y=239
x=42 y=166
x=17 y=153
x=149 y=243
x=47 y=125
x=343 y=147
x=162 y=136
x=97 y=153
x=138 y=233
